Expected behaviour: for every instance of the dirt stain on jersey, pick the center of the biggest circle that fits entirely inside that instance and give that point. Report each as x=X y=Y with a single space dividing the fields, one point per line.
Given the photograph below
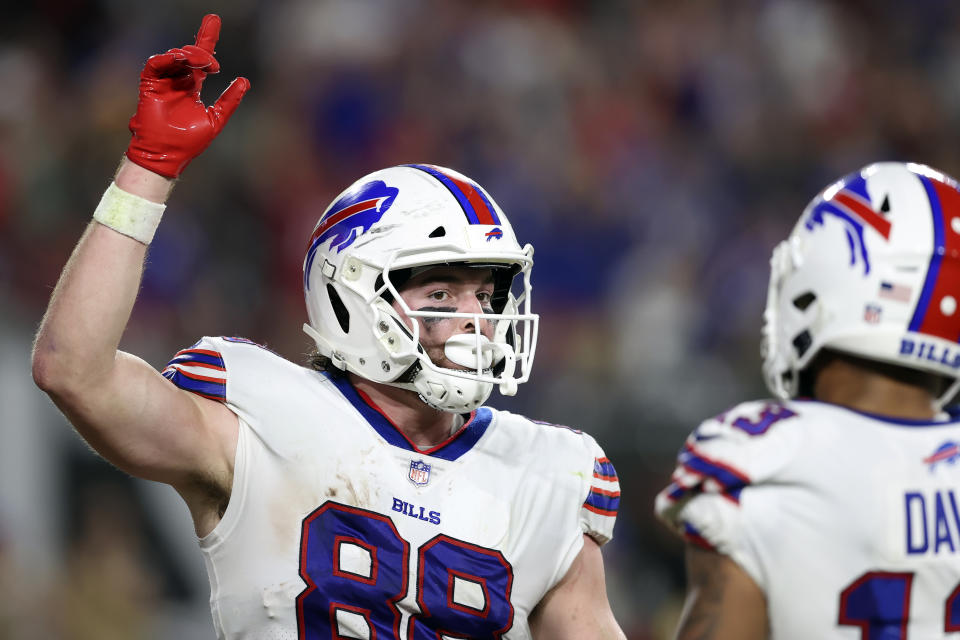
x=349 y=480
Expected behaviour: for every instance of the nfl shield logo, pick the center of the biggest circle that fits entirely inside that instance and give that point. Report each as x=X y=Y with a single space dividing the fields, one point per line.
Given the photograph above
x=419 y=472
x=872 y=313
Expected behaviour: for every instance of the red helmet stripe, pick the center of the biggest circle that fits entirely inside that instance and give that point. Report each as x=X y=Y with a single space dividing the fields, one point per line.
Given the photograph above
x=479 y=204
x=947 y=284
x=363 y=205
x=866 y=214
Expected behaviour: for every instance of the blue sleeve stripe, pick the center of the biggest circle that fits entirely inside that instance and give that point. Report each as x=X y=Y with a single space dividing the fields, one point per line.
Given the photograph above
x=600 y=501
x=189 y=358
x=693 y=535
x=198 y=356
x=205 y=388
x=676 y=491
x=603 y=468
x=728 y=477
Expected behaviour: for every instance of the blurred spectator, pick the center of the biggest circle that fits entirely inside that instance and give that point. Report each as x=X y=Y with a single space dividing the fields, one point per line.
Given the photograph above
x=107 y=591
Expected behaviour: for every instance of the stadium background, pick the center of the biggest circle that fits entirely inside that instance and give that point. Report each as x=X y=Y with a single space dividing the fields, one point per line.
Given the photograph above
x=653 y=152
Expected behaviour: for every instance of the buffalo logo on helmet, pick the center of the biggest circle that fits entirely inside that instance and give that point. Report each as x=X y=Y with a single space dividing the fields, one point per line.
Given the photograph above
x=849 y=202
x=350 y=216
x=494 y=234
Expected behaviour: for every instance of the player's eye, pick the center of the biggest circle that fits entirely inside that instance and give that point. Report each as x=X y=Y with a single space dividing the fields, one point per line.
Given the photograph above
x=484 y=297
x=438 y=295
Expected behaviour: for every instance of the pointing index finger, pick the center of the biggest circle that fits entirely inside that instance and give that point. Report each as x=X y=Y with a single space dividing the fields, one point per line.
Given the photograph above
x=209 y=32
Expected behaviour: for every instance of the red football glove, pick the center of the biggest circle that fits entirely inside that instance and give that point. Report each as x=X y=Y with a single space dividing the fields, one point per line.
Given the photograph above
x=172 y=126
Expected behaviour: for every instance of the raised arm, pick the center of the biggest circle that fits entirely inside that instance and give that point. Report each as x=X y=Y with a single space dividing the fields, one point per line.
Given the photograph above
x=123 y=407
x=577 y=608
x=723 y=601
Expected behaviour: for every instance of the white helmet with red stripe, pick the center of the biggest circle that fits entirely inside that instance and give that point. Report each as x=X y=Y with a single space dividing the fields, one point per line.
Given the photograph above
x=871 y=269
x=371 y=238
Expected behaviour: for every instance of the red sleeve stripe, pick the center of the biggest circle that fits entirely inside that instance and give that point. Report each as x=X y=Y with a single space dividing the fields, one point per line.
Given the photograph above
x=204 y=365
x=203 y=352
x=195 y=376
x=602 y=512
x=209 y=397
x=600 y=476
x=199 y=357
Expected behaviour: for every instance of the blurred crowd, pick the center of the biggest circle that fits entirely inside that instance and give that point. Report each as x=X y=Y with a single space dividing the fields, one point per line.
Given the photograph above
x=652 y=151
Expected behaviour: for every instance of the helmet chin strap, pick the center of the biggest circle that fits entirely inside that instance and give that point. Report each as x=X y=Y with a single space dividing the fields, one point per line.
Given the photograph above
x=449 y=393
x=324 y=347
x=947 y=395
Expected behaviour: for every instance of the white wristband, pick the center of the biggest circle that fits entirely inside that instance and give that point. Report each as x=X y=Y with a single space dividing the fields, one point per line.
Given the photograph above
x=128 y=214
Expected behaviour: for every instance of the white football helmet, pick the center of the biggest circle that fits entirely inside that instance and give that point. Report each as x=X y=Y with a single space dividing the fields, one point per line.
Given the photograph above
x=371 y=238
x=871 y=269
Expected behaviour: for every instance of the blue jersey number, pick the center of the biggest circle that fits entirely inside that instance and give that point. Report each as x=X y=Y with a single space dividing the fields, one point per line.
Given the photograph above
x=771 y=414
x=355 y=564
x=463 y=588
x=879 y=603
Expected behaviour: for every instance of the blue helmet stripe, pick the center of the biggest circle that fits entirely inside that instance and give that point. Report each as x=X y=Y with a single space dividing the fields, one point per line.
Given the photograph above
x=935 y=259
x=461 y=197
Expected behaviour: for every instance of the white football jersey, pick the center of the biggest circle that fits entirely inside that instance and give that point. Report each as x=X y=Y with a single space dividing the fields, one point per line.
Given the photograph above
x=849 y=523
x=338 y=527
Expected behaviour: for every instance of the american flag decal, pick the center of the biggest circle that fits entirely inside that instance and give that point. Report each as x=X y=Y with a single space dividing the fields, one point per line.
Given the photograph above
x=897 y=292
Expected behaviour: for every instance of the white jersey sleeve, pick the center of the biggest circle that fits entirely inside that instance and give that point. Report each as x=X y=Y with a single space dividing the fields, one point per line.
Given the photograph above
x=725 y=457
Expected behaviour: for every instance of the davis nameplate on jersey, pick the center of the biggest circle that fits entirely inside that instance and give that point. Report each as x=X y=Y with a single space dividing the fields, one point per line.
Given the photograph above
x=419 y=472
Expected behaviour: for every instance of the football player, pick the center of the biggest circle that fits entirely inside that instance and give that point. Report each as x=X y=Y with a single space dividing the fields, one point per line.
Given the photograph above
x=370 y=495
x=833 y=510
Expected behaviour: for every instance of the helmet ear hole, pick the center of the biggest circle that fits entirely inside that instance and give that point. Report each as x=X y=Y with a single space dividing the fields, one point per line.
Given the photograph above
x=339 y=309
x=502 y=280
x=802 y=342
x=804 y=300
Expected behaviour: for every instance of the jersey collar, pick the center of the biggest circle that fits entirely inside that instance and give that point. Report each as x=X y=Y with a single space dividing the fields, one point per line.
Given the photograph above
x=450 y=449
x=950 y=415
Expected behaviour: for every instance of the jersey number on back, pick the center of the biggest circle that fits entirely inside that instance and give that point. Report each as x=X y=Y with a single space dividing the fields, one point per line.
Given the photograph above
x=355 y=565
x=879 y=603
